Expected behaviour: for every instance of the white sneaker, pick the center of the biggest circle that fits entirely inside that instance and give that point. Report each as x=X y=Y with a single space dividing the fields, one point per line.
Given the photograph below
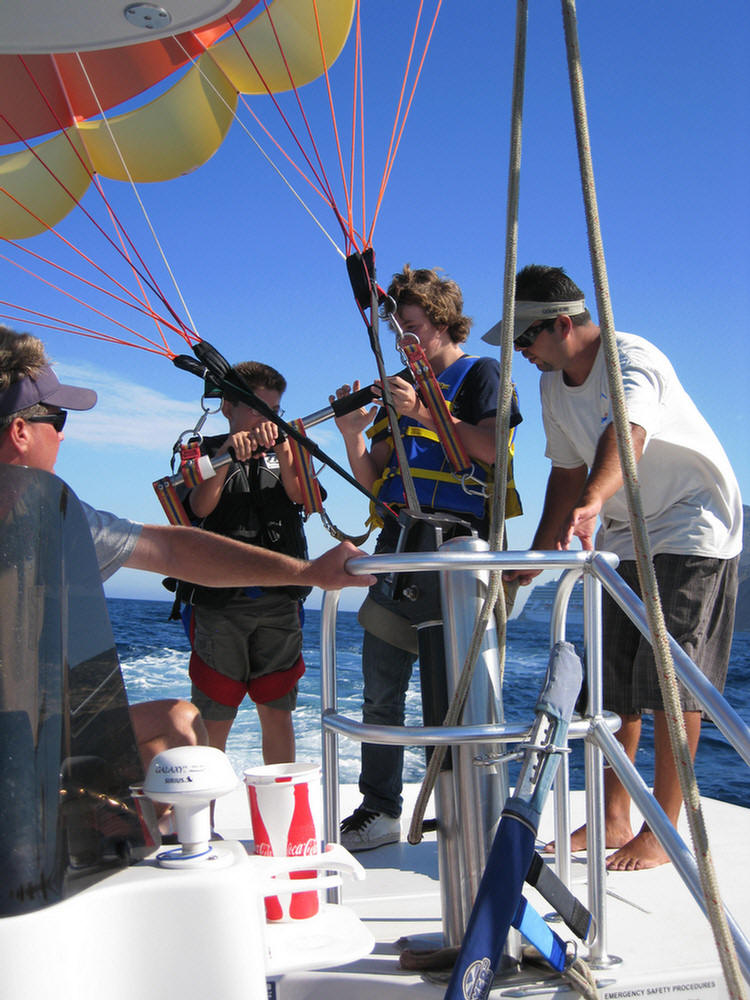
x=365 y=830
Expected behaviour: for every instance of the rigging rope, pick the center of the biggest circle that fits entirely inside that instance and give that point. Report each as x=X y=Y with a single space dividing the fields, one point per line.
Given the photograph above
x=502 y=437
x=657 y=627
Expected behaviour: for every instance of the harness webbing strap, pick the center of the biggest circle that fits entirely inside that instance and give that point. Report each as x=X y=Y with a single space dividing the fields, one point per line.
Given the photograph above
x=311 y=498
x=435 y=403
x=167 y=496
x=557 y=894
x=437 y=476
x=193 y=471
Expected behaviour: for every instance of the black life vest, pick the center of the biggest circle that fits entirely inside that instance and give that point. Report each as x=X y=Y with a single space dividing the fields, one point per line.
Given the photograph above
x=253 y=508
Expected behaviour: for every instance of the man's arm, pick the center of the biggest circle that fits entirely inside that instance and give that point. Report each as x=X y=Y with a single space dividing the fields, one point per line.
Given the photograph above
x=201 y=557
x=604 y=480
x=563 y=490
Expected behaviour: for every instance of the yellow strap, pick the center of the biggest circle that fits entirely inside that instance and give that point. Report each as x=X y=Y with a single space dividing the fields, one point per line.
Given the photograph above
x=443 y=477
x=377 y=428
x=418 y=431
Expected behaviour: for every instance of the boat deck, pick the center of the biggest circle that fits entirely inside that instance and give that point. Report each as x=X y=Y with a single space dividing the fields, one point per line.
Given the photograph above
x=662 y=941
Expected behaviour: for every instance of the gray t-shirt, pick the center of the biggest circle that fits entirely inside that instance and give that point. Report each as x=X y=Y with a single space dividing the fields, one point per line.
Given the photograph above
x=114 y=538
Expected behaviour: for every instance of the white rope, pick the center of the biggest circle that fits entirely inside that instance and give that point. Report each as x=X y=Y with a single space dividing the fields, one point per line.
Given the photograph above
x=657 y=627
x=579 y=975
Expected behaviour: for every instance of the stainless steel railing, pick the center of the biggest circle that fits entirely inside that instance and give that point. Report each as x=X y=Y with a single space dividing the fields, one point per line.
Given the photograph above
x=596 y=727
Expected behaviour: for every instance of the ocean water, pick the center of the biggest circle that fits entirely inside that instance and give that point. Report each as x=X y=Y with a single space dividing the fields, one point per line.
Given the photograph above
x=154 y=655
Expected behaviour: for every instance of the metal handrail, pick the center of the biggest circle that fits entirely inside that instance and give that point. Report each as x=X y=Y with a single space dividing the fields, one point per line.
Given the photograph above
x=596 y=727
x=715 y=706
x=495 y=732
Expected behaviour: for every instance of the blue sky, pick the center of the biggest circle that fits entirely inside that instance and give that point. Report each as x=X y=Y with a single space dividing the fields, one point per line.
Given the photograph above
x=668 y=94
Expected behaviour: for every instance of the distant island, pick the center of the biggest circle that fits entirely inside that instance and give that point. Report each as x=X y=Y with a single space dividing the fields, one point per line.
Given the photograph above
x=539 y=603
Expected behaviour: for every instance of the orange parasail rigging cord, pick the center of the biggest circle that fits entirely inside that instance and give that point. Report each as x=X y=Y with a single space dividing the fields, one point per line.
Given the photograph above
x=64 y=128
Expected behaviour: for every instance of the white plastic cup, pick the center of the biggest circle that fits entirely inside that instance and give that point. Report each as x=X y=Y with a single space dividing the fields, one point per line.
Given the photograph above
x=286 y=816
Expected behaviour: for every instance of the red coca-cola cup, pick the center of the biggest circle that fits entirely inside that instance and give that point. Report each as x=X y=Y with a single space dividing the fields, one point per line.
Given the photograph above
x=285 y=811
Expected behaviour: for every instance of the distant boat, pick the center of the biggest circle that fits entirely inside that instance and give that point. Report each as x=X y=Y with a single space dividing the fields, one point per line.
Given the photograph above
x=538 y=607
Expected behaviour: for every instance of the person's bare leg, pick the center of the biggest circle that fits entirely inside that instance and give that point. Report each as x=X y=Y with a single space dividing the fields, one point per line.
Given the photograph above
x=218 y=731
x=618 y=830
x=644 y=850
x=278 y=734
x=159 y=725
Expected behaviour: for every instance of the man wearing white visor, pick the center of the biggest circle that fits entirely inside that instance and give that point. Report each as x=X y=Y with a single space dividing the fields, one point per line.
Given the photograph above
x=693 y=514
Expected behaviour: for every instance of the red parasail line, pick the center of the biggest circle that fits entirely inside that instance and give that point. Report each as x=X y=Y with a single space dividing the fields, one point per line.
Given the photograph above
x=134 y=304
x=138 y=307
x=149 y=279
x=319 y=173
x=83 y=331
x=396 y=140
x=347 y=191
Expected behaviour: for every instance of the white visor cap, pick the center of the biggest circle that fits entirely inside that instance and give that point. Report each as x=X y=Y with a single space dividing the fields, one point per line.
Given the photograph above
x=528 y=313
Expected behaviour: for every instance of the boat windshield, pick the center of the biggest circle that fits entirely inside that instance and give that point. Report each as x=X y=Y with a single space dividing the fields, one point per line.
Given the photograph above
x=67 y=750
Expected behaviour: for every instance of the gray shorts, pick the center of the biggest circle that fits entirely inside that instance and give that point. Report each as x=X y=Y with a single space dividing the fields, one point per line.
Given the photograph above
x=251 y=647
x=698 y=597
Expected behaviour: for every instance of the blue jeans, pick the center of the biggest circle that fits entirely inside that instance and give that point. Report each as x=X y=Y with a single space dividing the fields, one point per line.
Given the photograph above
x=387 y=672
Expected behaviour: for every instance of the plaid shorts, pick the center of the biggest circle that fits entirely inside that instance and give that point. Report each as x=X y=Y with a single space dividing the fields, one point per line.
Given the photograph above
x=698 y=597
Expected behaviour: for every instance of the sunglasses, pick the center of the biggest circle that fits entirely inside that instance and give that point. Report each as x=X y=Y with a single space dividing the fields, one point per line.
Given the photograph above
x=234 y=400
x=56 y=419
x=528 y=337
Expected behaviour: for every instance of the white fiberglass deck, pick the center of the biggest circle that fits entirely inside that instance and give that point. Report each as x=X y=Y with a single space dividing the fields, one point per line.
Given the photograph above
x=655 y=927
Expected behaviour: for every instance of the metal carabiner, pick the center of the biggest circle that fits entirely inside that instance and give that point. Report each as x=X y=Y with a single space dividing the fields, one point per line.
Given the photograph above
x=194 y=434
x=477 y=490
x=388 y=311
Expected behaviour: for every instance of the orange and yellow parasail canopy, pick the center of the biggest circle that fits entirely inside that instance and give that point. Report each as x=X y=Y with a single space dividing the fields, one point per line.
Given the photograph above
x=55 y=105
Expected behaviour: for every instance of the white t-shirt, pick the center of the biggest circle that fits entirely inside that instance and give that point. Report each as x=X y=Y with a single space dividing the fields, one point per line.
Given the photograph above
x=114 y=538
x=690 y=496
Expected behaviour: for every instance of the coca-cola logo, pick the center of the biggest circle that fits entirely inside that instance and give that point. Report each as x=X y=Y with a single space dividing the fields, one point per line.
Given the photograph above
x=303 y=848
x=264 y=850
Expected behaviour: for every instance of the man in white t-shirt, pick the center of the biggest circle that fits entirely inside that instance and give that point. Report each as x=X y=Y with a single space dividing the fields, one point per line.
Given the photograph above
x=692 y=509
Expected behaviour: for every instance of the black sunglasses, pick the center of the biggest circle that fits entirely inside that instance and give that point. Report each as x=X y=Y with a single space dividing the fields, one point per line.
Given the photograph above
x=234 y=400
x=56 y=419
x=528 y=337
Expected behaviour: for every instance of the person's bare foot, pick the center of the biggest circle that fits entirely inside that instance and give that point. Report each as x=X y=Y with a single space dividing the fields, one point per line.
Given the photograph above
x=643 y=851
x=617 y=834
